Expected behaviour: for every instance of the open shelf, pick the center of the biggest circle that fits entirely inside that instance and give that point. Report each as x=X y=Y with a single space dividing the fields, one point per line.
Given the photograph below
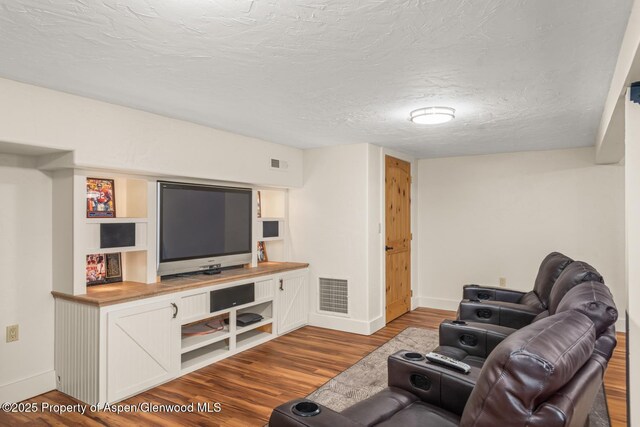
x=196 y=341
x=116 y=220
x=204 y=355
x=251 y=338
x=192 y=342
x=245 y=329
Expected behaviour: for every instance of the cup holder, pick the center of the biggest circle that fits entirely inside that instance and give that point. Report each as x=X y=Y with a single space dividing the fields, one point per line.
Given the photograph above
x=414 y=357
x=458 y=322
x=306 y=409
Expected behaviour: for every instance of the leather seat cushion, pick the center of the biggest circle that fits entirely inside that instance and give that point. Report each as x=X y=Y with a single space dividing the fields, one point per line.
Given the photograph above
x=421 y=414
x=532 y=300
x=380 y=406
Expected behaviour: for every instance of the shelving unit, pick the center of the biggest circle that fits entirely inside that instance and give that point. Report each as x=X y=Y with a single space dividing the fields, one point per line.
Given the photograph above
x=76 y=236
x=274 y=207
x=201 y=350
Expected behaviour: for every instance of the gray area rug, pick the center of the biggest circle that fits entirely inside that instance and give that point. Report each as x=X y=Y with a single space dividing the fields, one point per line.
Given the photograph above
x=369 y=376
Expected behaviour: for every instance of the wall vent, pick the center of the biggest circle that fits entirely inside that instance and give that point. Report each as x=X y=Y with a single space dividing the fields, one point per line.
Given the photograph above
x=334 y=296
x=278 y=164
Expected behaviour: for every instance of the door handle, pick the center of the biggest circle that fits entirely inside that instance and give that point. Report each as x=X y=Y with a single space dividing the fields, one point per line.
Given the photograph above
x=388 y=248
x=175 y=309
x=281 y=285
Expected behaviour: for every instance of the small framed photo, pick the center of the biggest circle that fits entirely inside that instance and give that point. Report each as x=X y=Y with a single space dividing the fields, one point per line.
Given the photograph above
x=114 y=268
x=101 y=199
x=104 y=268
x=262 y=252
x=96 y=269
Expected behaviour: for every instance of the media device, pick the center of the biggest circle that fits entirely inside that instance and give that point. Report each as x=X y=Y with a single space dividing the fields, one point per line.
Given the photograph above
x=117 y=235
x=270 y=229
x=202 y=227
x=231 y=297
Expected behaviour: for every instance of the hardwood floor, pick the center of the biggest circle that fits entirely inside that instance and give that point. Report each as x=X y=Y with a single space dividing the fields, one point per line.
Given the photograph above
x=251 y=383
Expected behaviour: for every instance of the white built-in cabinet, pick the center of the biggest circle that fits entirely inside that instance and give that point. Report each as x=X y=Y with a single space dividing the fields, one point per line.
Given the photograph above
x=108 y=353
x=141 y=347
x=291 y=299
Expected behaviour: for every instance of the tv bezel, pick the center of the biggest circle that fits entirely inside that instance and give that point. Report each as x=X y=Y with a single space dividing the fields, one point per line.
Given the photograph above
x=199 y=262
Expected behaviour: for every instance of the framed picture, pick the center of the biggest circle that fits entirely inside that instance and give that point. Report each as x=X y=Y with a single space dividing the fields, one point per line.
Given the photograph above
x=262 y=252
x=96 y=269
x=104 y=268
x=101 y=198
x=114 y=268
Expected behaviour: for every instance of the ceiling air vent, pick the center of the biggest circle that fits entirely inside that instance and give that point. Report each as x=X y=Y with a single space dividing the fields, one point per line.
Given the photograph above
x=334 y=297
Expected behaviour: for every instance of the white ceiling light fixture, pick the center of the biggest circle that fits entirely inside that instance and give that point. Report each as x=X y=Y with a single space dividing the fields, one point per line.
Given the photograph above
x=432 y=115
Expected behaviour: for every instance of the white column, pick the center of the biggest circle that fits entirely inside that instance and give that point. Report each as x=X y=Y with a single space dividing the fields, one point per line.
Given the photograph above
x=632 y=215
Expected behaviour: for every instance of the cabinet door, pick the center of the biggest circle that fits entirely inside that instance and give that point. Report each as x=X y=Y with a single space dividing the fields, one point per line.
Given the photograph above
x=292 y=303
x=142 y=348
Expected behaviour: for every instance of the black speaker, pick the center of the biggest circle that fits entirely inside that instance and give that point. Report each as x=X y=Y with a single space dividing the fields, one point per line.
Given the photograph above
x=270 y=229
x=231 y=297
x=117 y=235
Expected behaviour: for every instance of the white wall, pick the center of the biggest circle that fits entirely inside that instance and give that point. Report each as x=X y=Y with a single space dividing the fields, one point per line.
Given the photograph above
x=486 y=217
x=108 y=136
x=25 y=279
x=632 y=208
x=332 y=227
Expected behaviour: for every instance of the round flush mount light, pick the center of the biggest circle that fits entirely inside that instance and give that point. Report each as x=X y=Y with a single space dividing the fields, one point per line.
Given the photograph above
x=432 y=115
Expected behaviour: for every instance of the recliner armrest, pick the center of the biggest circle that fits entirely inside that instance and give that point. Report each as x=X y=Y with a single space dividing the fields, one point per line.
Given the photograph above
x=477 y=339
x=490 y=293
x=497 y=312
x=435 y=384
x=284 y=416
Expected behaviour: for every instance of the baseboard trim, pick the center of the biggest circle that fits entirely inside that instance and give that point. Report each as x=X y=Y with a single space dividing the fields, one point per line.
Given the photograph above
x=439 y=303
x=346 y=324
x=28 y=387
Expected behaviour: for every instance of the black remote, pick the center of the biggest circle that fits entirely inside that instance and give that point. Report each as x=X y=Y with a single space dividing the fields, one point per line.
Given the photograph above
x=449 y=362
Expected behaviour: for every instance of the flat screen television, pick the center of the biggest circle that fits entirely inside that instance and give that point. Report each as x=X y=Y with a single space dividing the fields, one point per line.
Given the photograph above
x=202 y=227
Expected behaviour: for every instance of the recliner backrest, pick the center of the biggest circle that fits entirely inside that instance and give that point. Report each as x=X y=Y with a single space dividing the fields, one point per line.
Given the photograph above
x=550 y=269
x=594 y=300
x=574 y=274
x=526 y=375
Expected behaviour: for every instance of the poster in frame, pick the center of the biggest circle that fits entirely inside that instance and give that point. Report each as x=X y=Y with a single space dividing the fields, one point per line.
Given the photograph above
x=101 y=198
x=113 y=268
x=96 y=269
x=104 y=268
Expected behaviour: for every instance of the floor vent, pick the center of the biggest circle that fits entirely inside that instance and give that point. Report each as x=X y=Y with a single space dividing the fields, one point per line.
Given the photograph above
x=334 y=296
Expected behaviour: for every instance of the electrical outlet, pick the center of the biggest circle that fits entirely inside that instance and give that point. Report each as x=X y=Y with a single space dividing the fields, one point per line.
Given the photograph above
x=503 y=282
x=13 y=333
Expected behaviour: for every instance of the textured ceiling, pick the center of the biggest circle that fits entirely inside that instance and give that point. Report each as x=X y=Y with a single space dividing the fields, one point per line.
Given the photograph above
x=522 y=75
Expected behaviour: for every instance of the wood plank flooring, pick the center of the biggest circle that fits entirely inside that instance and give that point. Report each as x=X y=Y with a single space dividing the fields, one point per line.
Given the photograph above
x=251 y=383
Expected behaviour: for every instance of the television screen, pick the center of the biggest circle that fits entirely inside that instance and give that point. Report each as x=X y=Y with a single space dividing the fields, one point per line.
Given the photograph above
x=199 y=221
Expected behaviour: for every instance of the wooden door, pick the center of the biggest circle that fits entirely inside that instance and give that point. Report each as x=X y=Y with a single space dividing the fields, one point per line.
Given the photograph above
x=292 y=302
x=142 y=348
x=398 y=237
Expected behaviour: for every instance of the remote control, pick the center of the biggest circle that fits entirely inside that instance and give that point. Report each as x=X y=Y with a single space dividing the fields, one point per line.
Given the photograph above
x=447 y=361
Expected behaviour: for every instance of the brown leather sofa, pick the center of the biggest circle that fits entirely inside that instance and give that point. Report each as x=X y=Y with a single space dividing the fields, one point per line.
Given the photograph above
x=472 y=342
x=550 y=268
x=517 y=315
x=546 y=374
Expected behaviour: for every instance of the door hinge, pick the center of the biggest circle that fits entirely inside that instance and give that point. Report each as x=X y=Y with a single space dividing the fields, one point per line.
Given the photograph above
x=411 y=236
x=412 y=293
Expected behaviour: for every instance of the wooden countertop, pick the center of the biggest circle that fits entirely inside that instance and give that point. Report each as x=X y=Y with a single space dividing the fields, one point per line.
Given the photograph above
x=102 y=295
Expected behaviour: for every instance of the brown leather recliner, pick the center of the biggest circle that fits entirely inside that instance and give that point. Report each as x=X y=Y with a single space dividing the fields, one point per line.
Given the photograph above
x=550 y=268
x=515 y=315
x=546 y=374
x=472 y=342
